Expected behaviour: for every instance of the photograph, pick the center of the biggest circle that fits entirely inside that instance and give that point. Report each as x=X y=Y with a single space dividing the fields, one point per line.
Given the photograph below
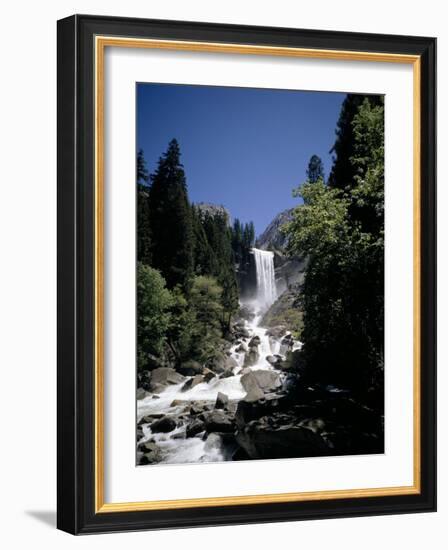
x=259 y=274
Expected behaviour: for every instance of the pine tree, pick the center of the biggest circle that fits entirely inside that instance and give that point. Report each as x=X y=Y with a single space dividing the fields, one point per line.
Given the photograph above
x=340 y=228
x=171 y=220
x=143 y=224
x=343 y=171
x=315 y=169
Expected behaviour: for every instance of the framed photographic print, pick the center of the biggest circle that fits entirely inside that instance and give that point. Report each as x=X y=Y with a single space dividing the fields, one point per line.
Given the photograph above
x=246 y=274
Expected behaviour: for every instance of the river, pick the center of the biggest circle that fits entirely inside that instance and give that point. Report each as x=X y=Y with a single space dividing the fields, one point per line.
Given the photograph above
x=175 y=447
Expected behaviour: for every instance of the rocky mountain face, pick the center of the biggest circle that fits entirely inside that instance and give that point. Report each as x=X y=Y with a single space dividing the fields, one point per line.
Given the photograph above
x=272 y=237
x=213 y=209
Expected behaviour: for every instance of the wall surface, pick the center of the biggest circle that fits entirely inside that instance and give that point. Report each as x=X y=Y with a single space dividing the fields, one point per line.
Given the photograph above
x=28 y=271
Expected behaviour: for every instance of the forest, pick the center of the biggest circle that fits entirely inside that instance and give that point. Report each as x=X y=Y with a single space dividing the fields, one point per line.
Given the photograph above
x=310 y=365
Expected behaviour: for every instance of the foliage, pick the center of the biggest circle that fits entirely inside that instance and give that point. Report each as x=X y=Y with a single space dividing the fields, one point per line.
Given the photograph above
x=343 y=170
x=170 y=220
x=206 y=308
x=340 y=228
x=154 y=301
x=143 y=223
x=186 y=279
x=315 y=169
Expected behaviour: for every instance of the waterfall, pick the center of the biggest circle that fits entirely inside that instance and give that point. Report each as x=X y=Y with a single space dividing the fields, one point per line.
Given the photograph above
x=266 y=290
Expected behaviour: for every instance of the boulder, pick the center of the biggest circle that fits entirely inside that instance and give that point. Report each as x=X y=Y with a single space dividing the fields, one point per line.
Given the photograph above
x=222 y=401
x=178 y=402
x=163 y=377
x=194 y=428
x=251 y=357
x=276 y=332
x=254 y=394
x=259 y=440
x=286 y=344
x=163 y=425
x=242 y=348
x=208 y=375
x=293 y=362
x=192 y=382
x=141 y=393
x=240 y=331
x=264 y=380
x=220 y=363
x=150 y=418
x=218 y=421
x=254 y=342
x=226 y=374
x=139 y=433
x=151 y=453
x=191 y=368
x=198 y=407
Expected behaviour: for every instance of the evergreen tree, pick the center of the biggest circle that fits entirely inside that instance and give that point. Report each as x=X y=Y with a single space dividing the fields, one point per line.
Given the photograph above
x=142 y=170
x=206 y=307
x=143 y=224
x=219 y=237
x=237 y=241
x=315 y=169
x=204 y=256
x=171 y=220
x=343 y=171
x=340 y=228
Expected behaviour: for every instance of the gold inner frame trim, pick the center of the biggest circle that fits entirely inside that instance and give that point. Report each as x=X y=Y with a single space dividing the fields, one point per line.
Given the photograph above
x=101 y=42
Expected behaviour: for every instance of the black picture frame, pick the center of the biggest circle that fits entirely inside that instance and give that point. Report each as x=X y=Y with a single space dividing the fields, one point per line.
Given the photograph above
x=76 y=285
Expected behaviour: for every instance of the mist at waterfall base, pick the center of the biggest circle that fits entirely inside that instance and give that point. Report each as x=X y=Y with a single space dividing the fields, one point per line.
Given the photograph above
x=175 y=447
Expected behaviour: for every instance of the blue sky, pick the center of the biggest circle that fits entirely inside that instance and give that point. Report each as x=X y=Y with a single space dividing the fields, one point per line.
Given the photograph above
x=244 y=148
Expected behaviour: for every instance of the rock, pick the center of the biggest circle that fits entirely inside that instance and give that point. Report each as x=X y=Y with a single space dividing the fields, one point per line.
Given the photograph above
x=242 y=348
x=246 y=312
x=271 y=359
x=178 y=402
x=198 y=407
x=151 y=453
x=273 y=238
x=276 y=332
x=240 y=331
x=155 y=396
x=316 y=425
x=254 y=342
x=192 y=382
x=208 y=375
x=259 y=440
x=286 y=344
x=220 y=363
x=191 y=368
x=293 y=362
x=144 y=380
x=222 y=401
x=163 y=377
x=226 y=374
x=218 y=421
x=265 y=380
x=194 y=428
x=254 y=394
x=251 y=357
x=141 y=393
x=150 y=418
x=163 y=425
